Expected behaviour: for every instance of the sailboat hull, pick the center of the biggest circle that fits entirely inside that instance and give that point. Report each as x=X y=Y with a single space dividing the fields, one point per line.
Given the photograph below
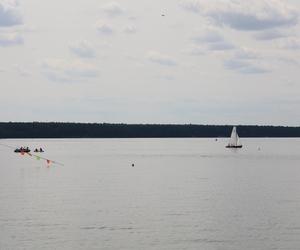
x=230 y=146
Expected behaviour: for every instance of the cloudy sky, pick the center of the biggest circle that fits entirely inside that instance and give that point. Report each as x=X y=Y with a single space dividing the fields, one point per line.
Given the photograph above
x=138 y=61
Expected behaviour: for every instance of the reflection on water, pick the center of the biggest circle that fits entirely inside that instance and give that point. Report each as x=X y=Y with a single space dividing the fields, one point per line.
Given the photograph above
x=180 y=194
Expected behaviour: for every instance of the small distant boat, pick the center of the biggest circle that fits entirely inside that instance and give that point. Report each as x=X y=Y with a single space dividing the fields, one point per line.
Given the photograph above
x=22 y=150
x=234 y=141
x=39 y=150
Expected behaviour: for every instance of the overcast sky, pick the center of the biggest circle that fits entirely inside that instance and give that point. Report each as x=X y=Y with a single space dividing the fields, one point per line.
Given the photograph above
x=138 y=61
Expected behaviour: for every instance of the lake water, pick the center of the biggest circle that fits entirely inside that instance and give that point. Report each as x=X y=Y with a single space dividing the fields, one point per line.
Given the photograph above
x=181 y=194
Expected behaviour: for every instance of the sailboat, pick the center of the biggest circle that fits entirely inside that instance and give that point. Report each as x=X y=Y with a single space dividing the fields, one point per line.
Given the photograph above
x=234 y=141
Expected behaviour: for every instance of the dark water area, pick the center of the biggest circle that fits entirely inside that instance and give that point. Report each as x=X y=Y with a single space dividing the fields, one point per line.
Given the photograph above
x=180 y=194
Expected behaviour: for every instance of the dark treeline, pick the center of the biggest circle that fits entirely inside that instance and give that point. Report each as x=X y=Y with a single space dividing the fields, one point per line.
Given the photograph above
x=106 y=130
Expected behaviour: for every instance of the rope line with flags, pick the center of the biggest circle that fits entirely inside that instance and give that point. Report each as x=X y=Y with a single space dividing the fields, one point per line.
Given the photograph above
x=37 y=157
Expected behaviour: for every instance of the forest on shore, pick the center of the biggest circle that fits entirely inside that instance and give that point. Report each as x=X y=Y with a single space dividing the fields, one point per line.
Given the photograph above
x=108 y=130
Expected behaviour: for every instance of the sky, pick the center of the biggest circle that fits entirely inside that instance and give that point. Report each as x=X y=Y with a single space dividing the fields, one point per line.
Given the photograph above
x=138 y=61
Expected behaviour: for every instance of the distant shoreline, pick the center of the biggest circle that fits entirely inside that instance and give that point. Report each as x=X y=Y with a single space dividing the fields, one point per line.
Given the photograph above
x=56 y=130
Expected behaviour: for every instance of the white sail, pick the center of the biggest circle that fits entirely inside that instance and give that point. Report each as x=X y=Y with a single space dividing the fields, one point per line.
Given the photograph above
x=238 y=140
x=234 y=138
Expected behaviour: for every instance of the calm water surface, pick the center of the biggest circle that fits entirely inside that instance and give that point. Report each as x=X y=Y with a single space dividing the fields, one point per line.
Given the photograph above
x=181 y=194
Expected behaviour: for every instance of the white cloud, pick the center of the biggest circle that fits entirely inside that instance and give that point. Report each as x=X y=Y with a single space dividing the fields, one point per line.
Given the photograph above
x=247 y=54
x=10 y=39
x=291 y=43
x=21 y=71
x=212 y=40
x=16 y=69
x=9 y=14
x=113 y=9
x=288 y=60
x=83 y=49
x=130 y=29
x=64 y=70
x=245 y=66
x=245 y=15
x=195 y=50
x=246 y=61
x=104 y=28
x=209 y=36
x=270 y=35
x=161 y=59
x=224 y=45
